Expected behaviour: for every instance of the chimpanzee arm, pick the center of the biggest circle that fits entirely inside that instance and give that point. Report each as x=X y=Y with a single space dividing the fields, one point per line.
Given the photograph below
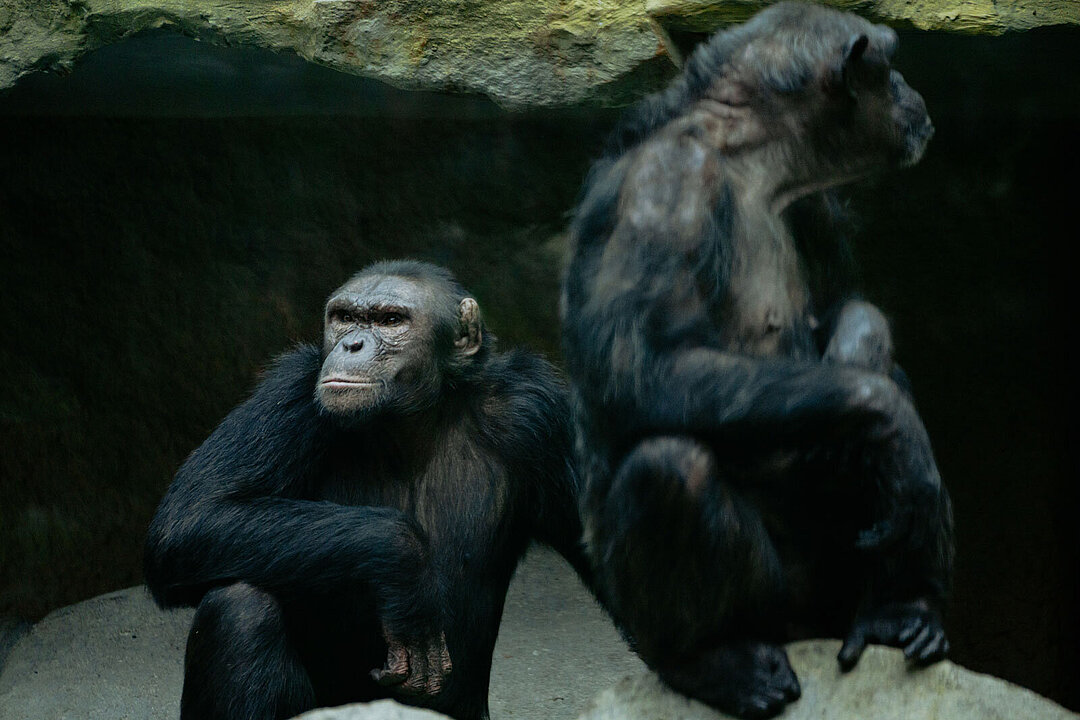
x=235 y=511
x=558 y=521
x=531 y=427
x=852 y=331
x=647 y=357
x=706 y=389
x=656 y=236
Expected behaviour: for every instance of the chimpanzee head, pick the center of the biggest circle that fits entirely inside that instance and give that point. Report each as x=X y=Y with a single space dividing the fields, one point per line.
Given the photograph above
x=396 y=336
x=815 y=85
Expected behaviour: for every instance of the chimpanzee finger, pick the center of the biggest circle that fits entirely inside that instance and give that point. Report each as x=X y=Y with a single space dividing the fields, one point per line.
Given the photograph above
x=435 y=671
x=910 y=629
x=936 y=649
x=387 y=678
x=415 y=685
x=396 y=668
x=765 y=704
x=913 y=648
x=434 y=684
x=445 y=662
x=852 y=650
x=444 y=658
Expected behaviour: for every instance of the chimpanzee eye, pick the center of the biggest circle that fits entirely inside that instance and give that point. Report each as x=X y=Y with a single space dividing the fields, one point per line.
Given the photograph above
x=392 y=319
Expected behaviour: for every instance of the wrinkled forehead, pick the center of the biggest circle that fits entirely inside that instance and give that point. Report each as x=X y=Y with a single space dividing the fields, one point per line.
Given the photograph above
x=371 y=290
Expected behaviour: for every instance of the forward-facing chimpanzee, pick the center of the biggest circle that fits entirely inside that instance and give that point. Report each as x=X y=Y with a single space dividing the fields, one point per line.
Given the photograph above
x=349 y=531
x=755 y=469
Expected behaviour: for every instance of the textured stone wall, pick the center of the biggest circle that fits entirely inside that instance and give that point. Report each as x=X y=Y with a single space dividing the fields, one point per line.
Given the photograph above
x=518 y=52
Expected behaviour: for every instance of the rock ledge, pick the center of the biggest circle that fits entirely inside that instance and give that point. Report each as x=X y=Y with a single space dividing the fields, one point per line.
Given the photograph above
x=520 y=53
x=882 y=687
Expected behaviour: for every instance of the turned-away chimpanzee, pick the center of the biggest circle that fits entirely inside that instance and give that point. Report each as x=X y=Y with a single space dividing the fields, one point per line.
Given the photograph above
x=754 y=467
x=349 y=531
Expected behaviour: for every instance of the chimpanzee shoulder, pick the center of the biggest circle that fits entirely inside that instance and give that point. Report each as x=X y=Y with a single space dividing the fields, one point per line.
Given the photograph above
x=283 y=394
x=524 y=407
x=279 y=428
x=527 y=423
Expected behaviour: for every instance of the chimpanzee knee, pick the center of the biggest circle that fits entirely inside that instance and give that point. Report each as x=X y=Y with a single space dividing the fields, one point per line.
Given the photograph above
x=678 y=467
x=239 y=663
x=861 y=336
x=670 y=524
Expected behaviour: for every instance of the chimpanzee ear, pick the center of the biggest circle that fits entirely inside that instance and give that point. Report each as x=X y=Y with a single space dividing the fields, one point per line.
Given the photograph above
x=853 y=55
x=470 y=331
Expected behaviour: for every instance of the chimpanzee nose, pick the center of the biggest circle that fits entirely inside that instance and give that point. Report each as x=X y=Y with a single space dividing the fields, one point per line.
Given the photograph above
x=354 y=345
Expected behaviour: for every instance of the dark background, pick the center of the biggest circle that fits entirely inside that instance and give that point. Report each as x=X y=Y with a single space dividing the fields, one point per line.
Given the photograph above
x=172 y=215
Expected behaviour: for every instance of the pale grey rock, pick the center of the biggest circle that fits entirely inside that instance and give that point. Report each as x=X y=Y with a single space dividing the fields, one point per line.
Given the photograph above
x=118 y=657
x=381 y=710
x=113 y=656
x=12 y=630
x=517 y=52
x=882 y=687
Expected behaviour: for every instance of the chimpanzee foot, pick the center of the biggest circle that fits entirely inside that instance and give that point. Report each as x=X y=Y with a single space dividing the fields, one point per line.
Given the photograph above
x=747 y=679
x=915 y=627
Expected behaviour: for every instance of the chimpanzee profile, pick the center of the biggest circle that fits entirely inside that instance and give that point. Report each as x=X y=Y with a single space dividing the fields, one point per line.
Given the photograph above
x=754 y=467
x=349 y=531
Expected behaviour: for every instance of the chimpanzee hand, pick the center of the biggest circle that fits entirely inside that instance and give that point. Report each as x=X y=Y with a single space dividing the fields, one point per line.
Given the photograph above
x=913 y=626
x=418 y=666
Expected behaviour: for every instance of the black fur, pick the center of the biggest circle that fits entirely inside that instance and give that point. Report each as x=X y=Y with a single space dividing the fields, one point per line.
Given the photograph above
x=306 y=540
x=749 y=480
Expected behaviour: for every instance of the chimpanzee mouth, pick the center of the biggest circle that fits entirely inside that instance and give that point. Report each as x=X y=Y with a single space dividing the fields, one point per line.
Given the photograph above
x=918 y=138
x=335 y=383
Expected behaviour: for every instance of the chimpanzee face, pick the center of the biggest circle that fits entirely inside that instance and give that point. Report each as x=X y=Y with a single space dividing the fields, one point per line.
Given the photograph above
x=885 y=111
x=861 y=115
x=380 y=348
x=912 y=122
x=817 y=88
